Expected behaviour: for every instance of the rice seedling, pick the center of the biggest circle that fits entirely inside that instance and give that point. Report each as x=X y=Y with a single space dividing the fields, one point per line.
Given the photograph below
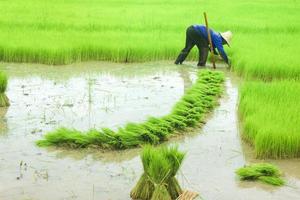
x=158 y=180
x=270 y=118
x=188 y=112
x=4 y=101
x=263 y=172
x=272 y=180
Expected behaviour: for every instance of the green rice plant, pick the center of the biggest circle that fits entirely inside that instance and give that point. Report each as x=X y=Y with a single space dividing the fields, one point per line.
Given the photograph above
x=3 y=82
x=158 y=180
x=263 y=172
x=175 y=158
x=188 y=112
x=272 y=180
x=4 y=101
x=270 y=118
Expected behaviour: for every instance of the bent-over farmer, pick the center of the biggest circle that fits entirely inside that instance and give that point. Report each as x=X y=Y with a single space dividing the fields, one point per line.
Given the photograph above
x=197 y=35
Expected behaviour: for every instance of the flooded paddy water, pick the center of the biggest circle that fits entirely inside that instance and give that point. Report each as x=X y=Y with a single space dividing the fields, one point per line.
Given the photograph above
x=98 y=94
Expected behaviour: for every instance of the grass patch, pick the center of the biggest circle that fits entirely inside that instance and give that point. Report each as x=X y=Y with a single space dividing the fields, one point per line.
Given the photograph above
x=270 y=118
x=188 y=112
x=4 y=101
x=263 y=172
x=158 y=180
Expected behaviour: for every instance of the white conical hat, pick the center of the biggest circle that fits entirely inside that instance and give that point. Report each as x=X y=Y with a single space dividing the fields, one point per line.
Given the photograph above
x=227 y=36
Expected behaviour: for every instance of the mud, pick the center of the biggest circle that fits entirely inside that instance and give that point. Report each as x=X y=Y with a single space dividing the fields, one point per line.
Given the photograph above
x=94 y=94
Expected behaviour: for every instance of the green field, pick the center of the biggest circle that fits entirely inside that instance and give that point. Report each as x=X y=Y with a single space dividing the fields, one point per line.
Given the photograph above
x=265 y=47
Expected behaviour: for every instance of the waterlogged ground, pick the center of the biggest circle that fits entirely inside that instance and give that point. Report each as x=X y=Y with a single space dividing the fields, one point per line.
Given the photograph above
x=89 y=95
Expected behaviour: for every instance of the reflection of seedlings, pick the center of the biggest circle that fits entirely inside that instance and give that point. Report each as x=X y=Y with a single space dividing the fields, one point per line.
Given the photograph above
x=44 y=116
x=41 y=174
x=22 y=168
x=38 y=174
x=3 y=120
x=4 y=101
x=90 y=90
x=72 y=195
x=93 y=191
x=34 y=131
x=68 y=105
x=51 y=122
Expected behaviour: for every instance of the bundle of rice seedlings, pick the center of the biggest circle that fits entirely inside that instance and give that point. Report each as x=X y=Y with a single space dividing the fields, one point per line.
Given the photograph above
x=4 y=101
x=144 y=187
x=159 y=172
x=158 y=180
x=263 y=172
x=175 y=158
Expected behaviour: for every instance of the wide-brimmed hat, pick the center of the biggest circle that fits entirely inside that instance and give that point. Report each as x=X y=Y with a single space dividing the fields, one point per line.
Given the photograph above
x=227 y=36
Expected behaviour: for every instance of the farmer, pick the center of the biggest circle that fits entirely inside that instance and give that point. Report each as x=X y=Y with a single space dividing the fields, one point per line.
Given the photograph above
x=197 y=35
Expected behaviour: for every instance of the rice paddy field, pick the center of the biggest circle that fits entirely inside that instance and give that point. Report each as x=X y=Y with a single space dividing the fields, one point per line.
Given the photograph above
x=77 y=66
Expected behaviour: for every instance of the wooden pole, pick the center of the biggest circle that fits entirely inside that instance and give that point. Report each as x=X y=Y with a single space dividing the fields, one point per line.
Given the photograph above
x=209 y=40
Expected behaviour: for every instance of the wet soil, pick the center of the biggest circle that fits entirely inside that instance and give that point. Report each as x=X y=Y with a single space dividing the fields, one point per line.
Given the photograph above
x=98 y=94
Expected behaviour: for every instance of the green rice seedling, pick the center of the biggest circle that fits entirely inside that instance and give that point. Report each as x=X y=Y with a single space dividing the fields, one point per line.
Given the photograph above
x=161 y=192
x=263 y=172
x=143 y=133
x=272 y=180
x=3 y=82
x=176 y=121
x=248 y=173
x=188 y=112
x=4 y=101
x=158 y=180
x=267 y=169
x=175 y=158
x=144 y=188
x=159 y=171
x=270 y=118
x=64 y=137
x=156 y=130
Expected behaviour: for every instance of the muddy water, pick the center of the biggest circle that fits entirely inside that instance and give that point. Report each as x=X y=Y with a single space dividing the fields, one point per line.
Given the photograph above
x=91 y=95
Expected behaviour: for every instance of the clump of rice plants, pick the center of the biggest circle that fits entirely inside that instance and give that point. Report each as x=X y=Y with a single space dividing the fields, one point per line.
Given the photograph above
x=4 y=101
x=263 y=172
x=158 y=180
x=270 y=118
x=188 y=112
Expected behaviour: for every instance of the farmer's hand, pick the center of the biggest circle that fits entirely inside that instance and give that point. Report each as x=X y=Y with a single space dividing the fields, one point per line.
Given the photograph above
x=229 y=63
x=215 y=58
x=212 y=58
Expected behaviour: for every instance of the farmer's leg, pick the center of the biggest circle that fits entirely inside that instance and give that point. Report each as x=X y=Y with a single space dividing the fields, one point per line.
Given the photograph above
x=202 y=45
x=189 y=44
x=203 y=53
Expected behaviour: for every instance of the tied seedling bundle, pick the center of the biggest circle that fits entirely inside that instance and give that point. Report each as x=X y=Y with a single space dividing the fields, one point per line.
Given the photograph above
x=263 y=172
x=158 y=180
x=4 y=102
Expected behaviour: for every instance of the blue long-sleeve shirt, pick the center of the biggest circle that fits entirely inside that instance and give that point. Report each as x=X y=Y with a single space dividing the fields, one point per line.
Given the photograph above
x=216 y=39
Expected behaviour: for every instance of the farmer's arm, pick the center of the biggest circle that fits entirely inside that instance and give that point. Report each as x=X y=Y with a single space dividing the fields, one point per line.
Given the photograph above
x=221 y=51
